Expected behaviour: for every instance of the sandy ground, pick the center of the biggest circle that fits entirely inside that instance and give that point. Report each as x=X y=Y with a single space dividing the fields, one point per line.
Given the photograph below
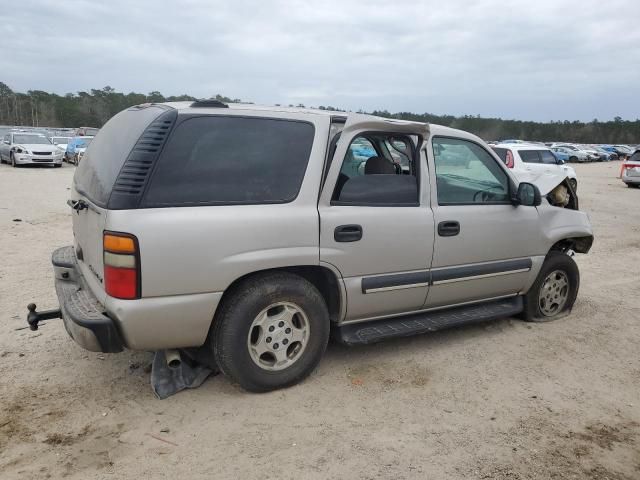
x=502 y=400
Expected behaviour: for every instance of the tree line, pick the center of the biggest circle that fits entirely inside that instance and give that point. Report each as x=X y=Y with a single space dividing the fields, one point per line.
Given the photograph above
x=94 y=108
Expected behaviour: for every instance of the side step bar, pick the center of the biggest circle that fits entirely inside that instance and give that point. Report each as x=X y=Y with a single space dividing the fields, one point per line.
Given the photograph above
x=374 y=331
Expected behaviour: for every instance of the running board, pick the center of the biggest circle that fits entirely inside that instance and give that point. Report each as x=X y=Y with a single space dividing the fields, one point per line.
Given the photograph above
x=373 y=331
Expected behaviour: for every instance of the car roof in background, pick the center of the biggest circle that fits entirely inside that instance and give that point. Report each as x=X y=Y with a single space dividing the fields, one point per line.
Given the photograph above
x=522 y=146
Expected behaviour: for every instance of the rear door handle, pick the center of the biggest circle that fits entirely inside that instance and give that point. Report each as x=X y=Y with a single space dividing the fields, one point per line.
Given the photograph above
x=347 y=233
x=449 y=228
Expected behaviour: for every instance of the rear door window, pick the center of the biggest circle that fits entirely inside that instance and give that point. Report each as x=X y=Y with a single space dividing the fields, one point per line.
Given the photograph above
x=529 y=156
x=548 y=157
x=219 y=160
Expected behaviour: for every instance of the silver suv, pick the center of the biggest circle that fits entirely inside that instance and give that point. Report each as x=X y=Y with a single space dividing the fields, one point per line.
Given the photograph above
x=244 y=235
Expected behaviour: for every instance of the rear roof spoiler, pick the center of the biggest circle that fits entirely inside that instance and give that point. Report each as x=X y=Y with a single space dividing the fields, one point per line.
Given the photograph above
x=209 y=103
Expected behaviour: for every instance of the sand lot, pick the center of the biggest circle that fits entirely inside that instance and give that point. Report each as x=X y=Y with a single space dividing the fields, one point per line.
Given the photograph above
x=502 y=400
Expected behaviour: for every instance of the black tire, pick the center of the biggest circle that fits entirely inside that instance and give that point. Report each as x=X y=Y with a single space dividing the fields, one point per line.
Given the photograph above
x=235 y=317
x=13 y=161
x=573 y=159
x=555 y=261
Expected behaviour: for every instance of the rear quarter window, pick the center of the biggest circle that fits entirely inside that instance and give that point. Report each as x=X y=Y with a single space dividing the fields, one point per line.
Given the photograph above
x=224 y=160
x=107 y=152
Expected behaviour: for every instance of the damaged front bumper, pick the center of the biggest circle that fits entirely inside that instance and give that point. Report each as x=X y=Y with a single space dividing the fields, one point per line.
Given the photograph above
x=84 y=317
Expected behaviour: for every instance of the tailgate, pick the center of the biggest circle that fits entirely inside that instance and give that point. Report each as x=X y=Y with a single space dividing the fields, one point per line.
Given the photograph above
x=88 y=227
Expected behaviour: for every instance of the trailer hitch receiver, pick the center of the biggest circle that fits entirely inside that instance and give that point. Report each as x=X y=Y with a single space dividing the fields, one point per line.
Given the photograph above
x=33 y=317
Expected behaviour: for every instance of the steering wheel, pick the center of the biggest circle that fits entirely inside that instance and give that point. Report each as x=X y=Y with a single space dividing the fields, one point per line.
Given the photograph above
x=482 y=196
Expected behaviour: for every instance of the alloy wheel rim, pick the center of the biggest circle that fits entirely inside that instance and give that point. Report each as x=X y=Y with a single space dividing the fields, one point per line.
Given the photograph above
x=278 y=336
x=554 y=293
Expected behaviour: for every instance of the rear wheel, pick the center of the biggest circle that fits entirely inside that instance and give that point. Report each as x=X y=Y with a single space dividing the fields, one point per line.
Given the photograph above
x=555 y=290
x=271 y=331
x=573 y=159
x=13 y=160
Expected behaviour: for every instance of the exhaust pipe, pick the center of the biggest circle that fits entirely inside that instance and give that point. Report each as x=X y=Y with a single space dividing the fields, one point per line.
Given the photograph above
x=173 y=358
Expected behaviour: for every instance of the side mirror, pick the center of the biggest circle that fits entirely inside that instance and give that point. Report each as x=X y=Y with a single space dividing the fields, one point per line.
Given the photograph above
x=528 y=195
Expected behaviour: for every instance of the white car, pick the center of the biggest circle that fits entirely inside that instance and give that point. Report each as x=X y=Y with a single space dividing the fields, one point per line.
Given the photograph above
x=630 y=173
x=532 y=163
x=22 y=148
x=60 y=142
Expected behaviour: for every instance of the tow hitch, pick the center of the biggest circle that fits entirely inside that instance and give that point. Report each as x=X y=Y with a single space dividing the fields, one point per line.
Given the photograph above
x=33 y=318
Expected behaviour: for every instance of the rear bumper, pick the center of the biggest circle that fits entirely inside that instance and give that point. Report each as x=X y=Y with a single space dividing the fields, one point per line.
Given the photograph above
x=153 y=323
x=631 y=180
x=84 y=318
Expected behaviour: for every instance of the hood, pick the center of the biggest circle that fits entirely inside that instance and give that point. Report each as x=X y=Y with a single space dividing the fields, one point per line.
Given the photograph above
x=38 y=147
x=544 y=181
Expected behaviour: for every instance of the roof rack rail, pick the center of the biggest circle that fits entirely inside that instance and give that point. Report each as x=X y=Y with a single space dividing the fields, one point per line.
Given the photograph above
x=209 y=103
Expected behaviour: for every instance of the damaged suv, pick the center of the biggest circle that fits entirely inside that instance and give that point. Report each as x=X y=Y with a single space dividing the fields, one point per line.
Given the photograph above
x=243 y=235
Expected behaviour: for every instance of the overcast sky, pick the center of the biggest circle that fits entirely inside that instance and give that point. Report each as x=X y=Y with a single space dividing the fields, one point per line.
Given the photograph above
x=536 y=60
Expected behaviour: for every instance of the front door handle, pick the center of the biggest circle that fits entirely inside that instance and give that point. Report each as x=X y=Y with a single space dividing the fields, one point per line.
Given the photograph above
x=449 y=228
x=347 y=233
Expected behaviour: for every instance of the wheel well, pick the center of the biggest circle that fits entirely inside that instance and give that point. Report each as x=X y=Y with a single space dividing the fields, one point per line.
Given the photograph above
x=321 y=277
x=577 y=244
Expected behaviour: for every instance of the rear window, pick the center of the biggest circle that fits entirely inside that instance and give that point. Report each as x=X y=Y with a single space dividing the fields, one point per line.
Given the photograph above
x=219 y=160
x=108 y=151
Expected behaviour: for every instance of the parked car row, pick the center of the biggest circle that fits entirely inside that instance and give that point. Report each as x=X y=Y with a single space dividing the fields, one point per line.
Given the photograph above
x=22 y=146
x=579 y=153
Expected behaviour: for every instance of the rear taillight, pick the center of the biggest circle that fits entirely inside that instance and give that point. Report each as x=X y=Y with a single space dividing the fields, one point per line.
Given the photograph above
x=509 y=159
x=121 y=265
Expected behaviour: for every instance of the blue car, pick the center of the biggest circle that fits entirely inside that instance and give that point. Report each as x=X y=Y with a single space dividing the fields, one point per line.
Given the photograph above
x=560 y=155
x=76 y=148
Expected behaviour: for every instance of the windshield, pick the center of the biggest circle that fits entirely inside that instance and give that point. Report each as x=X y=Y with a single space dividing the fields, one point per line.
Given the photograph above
x=31 y=140
x=60 y=140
